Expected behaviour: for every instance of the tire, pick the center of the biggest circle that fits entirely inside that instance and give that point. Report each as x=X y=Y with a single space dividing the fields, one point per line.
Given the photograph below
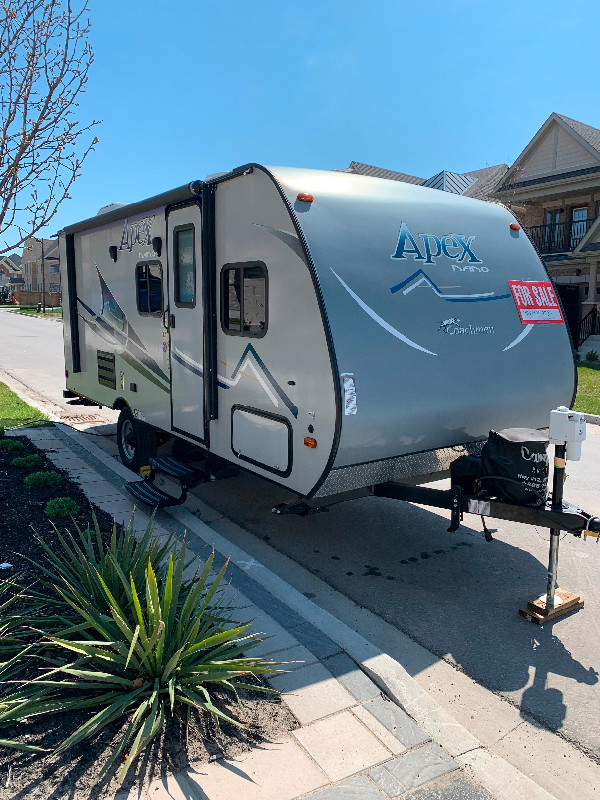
x=135 y=440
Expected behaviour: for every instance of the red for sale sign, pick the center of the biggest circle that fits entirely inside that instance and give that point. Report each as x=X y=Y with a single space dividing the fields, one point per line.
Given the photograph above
x=536 y=302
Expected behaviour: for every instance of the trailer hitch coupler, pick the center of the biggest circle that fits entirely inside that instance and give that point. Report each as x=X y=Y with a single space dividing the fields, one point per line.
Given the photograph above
x=593 y=525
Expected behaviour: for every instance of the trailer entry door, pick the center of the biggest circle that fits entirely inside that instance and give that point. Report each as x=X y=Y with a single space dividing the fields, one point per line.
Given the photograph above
x=185 y=322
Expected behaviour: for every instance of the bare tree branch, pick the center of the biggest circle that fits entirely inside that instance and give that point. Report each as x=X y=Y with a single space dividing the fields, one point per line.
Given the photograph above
x=45 y=57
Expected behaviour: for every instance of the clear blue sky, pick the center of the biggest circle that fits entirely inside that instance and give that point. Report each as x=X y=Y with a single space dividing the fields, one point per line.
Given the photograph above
x=188 y=88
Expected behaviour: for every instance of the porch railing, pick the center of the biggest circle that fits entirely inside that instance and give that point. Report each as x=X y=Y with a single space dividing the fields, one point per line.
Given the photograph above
x=589 y=325
x=560 y=237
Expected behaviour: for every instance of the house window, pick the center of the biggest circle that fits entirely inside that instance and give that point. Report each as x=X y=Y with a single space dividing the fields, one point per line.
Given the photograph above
x=54 y=269
x=54 y=288
x=244 y=299
x=552 y=229
x=578 y=225
x=148 y=279
x=185 y=266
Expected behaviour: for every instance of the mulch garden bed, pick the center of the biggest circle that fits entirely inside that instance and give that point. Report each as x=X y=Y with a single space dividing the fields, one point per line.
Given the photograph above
x=71 y=774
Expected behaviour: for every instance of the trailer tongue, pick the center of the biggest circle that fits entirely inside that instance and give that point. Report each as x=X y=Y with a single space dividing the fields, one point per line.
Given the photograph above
x=473 y=496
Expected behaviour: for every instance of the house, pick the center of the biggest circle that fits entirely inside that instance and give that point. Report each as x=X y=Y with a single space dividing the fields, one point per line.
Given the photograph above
x=554 y=189
x=10 y=273
x=34 y=254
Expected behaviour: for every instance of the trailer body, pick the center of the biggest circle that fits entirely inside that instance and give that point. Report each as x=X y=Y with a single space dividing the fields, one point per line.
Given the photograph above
x=363 y=336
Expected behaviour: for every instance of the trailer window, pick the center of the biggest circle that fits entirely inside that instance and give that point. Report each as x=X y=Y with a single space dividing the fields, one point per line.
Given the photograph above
x=244 y=299
x=149 y=288
x=185 y=266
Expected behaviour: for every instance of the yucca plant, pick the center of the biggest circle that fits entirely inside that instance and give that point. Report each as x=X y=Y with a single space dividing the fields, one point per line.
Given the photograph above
x=11 y=629
x=86 y=557
x=141 y=656
x=14 y=647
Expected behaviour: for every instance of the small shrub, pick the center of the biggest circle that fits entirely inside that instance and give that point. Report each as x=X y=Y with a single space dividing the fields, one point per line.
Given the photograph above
x=8 y=445
x=62 y=507
x=26 y=462
x=169 y=645
x=591 y=355
x=1 y=431
x=38 y=480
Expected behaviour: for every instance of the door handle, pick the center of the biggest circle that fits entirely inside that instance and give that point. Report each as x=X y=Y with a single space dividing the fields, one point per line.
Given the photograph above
x=171 y=320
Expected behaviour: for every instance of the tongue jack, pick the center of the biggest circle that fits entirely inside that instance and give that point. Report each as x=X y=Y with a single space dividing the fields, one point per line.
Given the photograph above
x=567 y=432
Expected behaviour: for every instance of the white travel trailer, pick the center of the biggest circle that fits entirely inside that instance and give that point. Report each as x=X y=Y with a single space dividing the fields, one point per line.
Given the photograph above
x=324 y=330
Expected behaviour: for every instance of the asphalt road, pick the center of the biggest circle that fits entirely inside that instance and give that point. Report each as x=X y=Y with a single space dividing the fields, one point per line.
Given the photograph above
x=455 y=594
x=32 y=352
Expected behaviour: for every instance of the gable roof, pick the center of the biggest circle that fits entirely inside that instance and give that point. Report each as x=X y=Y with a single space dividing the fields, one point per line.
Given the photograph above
x=358 y=168
x=586 y=137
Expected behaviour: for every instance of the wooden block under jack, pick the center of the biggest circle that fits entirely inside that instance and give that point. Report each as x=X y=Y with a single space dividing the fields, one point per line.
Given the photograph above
x=537 y=612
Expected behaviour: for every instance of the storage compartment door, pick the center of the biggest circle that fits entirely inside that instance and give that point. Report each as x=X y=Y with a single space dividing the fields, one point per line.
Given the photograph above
x=262 y=439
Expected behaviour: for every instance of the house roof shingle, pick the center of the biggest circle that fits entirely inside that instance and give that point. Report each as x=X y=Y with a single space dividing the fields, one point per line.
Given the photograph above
x=487 y=180
x=358 y=168
x=589 y=134
x=483 y=180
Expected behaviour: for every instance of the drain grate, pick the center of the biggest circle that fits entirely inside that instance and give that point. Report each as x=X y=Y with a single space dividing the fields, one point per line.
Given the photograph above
x=81 y=418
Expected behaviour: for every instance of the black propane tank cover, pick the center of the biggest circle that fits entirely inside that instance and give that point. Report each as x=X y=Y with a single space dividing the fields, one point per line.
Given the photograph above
x=515 y=465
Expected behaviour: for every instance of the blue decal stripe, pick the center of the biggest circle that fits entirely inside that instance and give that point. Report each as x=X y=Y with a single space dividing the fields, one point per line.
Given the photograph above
x=448 y=298
x=282 y=395
x=87 y=308
x=195 y=370
x=183 y=363
x=475 y=299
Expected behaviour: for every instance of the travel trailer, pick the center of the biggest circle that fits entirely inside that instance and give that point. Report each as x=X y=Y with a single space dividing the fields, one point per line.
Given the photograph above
x=337 y=334
x=324 y=330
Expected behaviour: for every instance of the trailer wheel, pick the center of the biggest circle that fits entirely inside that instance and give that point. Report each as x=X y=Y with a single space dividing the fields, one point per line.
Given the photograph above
x=136 y=441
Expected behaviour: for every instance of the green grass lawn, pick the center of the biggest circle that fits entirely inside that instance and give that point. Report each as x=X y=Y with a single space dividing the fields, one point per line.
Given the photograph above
x=588 y=388
x=14 y=411
x=50 y=312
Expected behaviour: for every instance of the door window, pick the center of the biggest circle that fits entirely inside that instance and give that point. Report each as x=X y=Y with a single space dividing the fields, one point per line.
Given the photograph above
x=148 y=280
x=551 y=231
x=185 y=266
x=244 y=299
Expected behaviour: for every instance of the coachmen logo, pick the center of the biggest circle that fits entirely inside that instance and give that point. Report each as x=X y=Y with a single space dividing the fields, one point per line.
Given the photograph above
x=456 y=246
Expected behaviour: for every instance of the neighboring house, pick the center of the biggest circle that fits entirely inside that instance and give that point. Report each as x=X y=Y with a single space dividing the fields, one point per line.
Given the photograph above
x=10 y=271
x=32 y=266
x=554 y=189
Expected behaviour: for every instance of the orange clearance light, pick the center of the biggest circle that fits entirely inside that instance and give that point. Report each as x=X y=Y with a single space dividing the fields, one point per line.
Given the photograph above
x=306 y=198
x=514 y=226
x=310 y=442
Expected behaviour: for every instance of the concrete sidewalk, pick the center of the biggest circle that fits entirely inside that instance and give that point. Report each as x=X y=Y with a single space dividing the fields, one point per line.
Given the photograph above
x=367 y=729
